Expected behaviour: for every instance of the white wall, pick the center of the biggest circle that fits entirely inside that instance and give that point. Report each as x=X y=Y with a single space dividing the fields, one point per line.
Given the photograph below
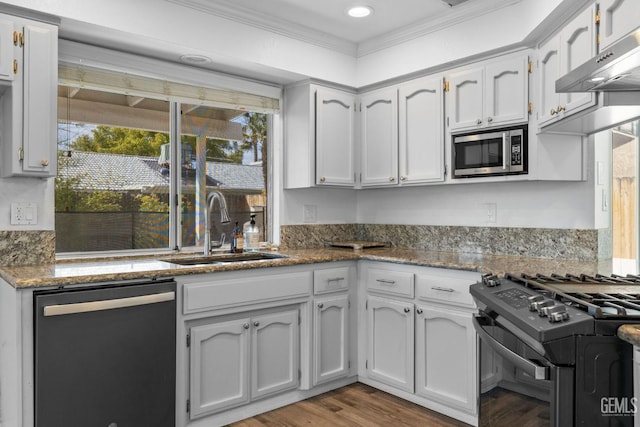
x=333 y=205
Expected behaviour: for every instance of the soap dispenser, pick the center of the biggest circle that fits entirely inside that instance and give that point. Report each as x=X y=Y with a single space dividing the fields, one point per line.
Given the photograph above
x=251 y=235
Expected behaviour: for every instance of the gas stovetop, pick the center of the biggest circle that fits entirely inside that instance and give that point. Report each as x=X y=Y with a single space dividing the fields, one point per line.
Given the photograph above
x=531 y=309
x=603 y=297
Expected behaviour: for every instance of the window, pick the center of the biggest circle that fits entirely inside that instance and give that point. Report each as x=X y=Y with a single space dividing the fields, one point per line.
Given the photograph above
x=128 y=181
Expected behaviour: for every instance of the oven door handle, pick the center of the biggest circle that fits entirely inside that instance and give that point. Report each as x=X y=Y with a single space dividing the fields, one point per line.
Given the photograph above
x=536 y=371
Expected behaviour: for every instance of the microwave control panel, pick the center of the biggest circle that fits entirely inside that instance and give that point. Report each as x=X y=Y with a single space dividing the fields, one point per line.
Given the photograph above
x=516 y=150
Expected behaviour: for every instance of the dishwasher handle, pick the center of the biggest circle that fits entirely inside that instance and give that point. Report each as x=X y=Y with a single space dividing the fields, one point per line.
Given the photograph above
x=87 y=307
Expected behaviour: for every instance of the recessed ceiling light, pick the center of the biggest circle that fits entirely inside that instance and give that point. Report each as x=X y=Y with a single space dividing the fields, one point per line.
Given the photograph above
x=195 y=59
x=359 y=11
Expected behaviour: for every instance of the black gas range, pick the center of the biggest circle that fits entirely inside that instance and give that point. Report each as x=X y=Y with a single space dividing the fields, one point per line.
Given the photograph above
x=553 y=340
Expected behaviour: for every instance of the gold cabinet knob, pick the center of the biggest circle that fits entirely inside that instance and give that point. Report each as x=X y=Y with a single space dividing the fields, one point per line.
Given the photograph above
x=403 y=178
x=479 y=121
x=489 y=119
x=560 y=108
x=553 y=111
x=323 y=179
x=44 y=162
x=391 y=179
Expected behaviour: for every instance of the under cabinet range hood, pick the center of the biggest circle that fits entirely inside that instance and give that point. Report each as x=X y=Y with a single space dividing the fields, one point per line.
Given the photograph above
x=617 y=68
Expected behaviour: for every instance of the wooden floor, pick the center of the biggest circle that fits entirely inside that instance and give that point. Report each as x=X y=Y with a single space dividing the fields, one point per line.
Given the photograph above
x=354 y=405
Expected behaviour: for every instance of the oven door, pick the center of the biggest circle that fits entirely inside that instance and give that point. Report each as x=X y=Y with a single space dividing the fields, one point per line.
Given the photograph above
x=481 y=154
x=517 y=383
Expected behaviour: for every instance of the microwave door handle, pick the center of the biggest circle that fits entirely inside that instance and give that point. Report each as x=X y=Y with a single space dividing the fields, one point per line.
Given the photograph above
x=536 y=371
x=504 y=150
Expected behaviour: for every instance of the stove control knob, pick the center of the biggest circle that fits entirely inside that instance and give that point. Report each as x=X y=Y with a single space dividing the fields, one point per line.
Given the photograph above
x=534 y=301
x=492 y=283
x=544 y=306
x=557 y=313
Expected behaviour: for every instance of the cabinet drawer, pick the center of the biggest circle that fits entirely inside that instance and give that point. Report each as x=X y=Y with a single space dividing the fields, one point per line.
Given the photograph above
x=214 y=294
x=390 y=282
x=450 y=286
x=330 y=280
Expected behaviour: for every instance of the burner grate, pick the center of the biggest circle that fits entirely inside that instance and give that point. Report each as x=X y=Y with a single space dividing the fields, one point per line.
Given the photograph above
x=601 y=296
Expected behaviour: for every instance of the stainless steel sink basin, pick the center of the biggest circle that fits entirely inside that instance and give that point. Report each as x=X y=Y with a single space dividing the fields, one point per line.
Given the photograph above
x=224 y=258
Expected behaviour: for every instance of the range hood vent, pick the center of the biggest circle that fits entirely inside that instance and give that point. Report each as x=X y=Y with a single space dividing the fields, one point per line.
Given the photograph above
x=615 y=69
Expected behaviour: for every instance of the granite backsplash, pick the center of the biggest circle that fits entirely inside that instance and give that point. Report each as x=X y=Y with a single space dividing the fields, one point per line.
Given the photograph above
x=27 y=247
x=570 y=244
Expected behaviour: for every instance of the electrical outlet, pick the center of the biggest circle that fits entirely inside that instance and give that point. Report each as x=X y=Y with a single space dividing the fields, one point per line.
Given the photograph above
x=309 y=213
x=24 y=213
x=491 y=212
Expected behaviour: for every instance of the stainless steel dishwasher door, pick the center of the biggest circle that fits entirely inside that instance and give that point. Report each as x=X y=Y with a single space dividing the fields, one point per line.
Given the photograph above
x=105 y=356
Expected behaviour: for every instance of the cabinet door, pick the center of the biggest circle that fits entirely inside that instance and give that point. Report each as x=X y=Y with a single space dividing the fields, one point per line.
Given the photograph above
x=421 y=132
x=379 y=165
x=219 y=366
x=578 y=45
x=40 y=88
x=390 y=354
x=617 y=18
x=331 y=338
x=507 y=92
x=274 y=353
x=466 y=99
x=446 y=356
x=549 y=71
x=334 y=137
x=6 y=47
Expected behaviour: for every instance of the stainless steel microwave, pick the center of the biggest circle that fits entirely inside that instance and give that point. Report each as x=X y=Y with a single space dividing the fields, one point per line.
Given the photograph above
x=493 y=152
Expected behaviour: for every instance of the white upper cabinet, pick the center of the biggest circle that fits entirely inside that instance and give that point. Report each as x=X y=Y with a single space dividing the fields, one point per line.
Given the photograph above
x=495 y=94
x=617 y=18
x=334 y=137
x=421 y=131
x=6 y=47
x=574 y=45
x=507 y=91
x=29 y=100
x=319 y=137
x=465 y=100
x=379 y=133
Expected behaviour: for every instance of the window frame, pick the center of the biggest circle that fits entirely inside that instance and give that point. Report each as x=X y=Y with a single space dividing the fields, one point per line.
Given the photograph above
x=73 y=54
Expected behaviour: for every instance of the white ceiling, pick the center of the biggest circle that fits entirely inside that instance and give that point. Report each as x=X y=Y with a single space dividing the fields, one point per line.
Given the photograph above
x=325 y=23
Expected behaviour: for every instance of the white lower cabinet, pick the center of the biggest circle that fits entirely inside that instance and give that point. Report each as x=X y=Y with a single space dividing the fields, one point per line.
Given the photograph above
x=419 y=341
x=331 y=338
x=236 y=361
x=446 y=356
x=390 y=342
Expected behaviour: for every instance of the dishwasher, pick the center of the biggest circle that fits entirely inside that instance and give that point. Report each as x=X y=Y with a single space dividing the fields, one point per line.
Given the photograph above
x=105 y=356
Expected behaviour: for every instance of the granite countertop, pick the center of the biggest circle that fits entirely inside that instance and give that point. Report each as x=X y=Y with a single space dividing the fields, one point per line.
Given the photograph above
x=630 y=334
x=128 y=268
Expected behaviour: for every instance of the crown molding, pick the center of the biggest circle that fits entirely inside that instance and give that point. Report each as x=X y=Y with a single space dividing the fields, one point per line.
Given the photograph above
x=272 y=24
x=464 y=12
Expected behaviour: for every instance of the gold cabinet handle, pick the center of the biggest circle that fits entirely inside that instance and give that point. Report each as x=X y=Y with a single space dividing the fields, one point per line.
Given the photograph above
x=553 y=111
x=560 y=108
x=15 y=66
x=479 y=121
x=489 y=119
x=15 y=38
x=21 y=37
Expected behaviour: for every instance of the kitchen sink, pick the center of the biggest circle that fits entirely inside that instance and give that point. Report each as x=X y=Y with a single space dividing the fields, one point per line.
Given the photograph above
x=224 y=258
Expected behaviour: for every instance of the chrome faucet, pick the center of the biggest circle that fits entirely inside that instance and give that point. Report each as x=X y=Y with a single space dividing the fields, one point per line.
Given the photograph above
x=224 y=218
